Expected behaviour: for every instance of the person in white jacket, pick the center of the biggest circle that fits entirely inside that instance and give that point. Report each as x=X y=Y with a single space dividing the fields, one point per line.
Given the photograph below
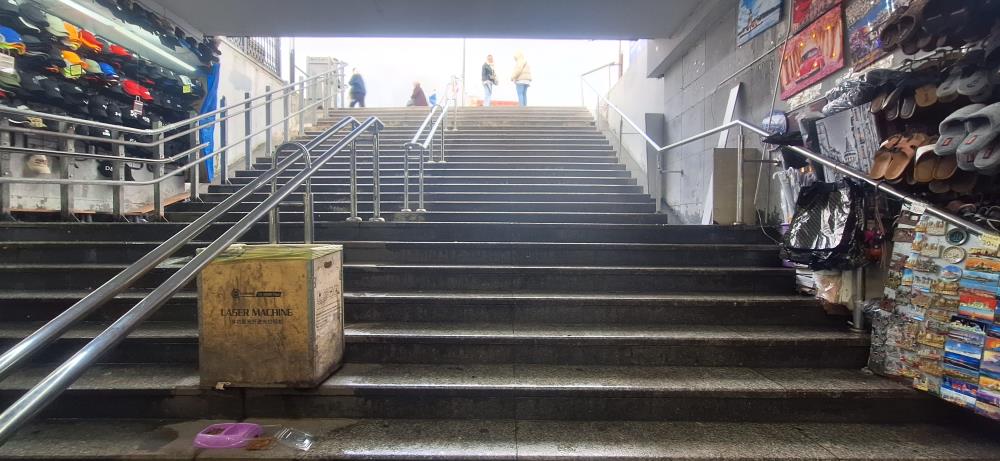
x=521 y=77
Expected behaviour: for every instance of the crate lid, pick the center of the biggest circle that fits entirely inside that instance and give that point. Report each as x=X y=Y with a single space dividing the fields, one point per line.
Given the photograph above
x=285 y=251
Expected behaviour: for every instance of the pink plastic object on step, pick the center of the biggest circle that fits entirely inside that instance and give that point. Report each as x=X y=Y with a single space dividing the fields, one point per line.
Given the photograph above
x=227 y=435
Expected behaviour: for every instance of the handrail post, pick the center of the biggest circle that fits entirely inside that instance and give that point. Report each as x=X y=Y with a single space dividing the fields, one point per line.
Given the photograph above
x=420 y=190
x=739 y=177
x=407 y=150
x=302 y=109
x=117 y=168
x=5 y=141
x=247 y=129
x=444 y=123
x=286 y=108
x=159 y=205
x=195 y=170
x=223 y=141
x=858 y=315
x=376 y=182
x=67 y=201
x=308 y=228
x=268 y=142
x=354 y=180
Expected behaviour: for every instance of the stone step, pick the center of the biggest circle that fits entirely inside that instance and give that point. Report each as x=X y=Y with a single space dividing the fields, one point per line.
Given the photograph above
x=469 y=170
x=343 y=205
x=393 y=178
x=437 y=169
x=502 y=391
x=764 y=346
x=510 y=439
x=460 y=188
x=401 y=231
x=461 y=278
x=432 y=216
x=500 y=253
x=457 y=307
x=436 y=197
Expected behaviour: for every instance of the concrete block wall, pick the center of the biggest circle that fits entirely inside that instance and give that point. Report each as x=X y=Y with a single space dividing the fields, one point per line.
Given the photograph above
x=695 y=98
x=695 y=68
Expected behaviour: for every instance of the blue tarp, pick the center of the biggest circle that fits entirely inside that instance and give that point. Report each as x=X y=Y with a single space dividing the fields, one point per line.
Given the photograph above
x=206 y=134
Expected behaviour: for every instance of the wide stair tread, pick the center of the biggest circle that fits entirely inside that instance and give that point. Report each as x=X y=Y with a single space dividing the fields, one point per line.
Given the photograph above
x=522 y=440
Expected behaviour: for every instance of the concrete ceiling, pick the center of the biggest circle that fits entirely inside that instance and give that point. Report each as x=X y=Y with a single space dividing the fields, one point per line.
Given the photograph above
x=557 y=19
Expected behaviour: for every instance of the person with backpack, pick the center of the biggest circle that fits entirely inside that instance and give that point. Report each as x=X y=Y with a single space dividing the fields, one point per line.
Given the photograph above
x=489 y=80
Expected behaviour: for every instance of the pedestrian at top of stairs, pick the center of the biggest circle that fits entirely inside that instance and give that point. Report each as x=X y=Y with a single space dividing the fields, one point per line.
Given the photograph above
x=521 y=77
x=417 y=98
x=358 y=91
x=489 y=80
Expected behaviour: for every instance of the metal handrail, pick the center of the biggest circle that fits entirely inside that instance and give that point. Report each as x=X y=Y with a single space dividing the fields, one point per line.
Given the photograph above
x=427 y=150
x=69 y=371
x=103 y=182
x=407 y=152
x=878 y=185
x=82 y=308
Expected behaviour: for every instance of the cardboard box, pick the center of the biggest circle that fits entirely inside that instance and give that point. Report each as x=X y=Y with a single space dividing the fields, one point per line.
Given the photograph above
x=271 y=315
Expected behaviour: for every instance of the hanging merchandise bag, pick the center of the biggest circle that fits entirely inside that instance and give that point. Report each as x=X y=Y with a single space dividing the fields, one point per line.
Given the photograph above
x=826 y=231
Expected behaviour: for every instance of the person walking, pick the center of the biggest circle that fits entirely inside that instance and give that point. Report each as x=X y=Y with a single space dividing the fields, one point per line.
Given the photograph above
x=521 y=77
x=489 y=80
x=417 y=98
x=358 y=91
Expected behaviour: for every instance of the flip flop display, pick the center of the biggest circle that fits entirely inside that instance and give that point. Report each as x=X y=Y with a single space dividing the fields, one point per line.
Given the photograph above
x=982 y=127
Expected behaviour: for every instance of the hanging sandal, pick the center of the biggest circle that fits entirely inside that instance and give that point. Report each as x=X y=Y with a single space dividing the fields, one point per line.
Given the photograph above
x=902 y=155
x=882 y=158
x=925 y=163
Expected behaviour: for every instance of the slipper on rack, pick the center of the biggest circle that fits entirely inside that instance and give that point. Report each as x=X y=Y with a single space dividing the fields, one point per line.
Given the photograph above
x=882 y=158
x=903 y=154
x=892 y=33
x=952 y=130
x=908 y=105
x=938 y=15
x=983 y=127
x=879 y=101
x=945 y=168
x=987 y=160
x=893 y=102
x=947 y=91
x=909 y=25
x=926 y=95
x=925 y=163
x=963 y=182
x=974 y=81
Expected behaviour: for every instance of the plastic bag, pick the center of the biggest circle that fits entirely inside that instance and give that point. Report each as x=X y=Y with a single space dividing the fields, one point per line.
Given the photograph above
x=827 y=229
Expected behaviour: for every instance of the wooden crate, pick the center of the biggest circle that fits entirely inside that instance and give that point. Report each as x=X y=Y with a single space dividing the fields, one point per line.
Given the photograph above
x=271 y=316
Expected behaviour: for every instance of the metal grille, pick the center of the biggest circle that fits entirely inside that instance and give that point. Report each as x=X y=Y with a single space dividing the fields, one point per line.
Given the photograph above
x=265 y=50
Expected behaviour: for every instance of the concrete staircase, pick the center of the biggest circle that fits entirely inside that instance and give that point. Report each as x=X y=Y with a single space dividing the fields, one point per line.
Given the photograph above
x=539 y=310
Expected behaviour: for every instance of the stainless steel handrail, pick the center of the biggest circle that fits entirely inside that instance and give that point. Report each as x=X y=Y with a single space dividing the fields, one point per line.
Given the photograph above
x=407 y=152
x=79 y=310
x=427 y=150
x=62 y=377
x=104 y=182
x=880 y=186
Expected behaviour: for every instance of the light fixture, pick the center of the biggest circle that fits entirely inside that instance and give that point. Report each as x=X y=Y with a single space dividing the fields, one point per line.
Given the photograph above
x=156 y=48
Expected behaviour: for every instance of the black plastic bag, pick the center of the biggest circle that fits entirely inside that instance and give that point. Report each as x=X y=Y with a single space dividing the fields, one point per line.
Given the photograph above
x=828 y=227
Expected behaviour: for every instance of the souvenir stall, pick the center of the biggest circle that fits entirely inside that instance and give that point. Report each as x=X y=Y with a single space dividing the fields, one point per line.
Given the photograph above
x=920 y=110
x=110 y=61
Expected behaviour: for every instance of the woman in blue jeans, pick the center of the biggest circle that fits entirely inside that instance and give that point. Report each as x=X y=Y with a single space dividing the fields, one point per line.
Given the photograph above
x=521 y=77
